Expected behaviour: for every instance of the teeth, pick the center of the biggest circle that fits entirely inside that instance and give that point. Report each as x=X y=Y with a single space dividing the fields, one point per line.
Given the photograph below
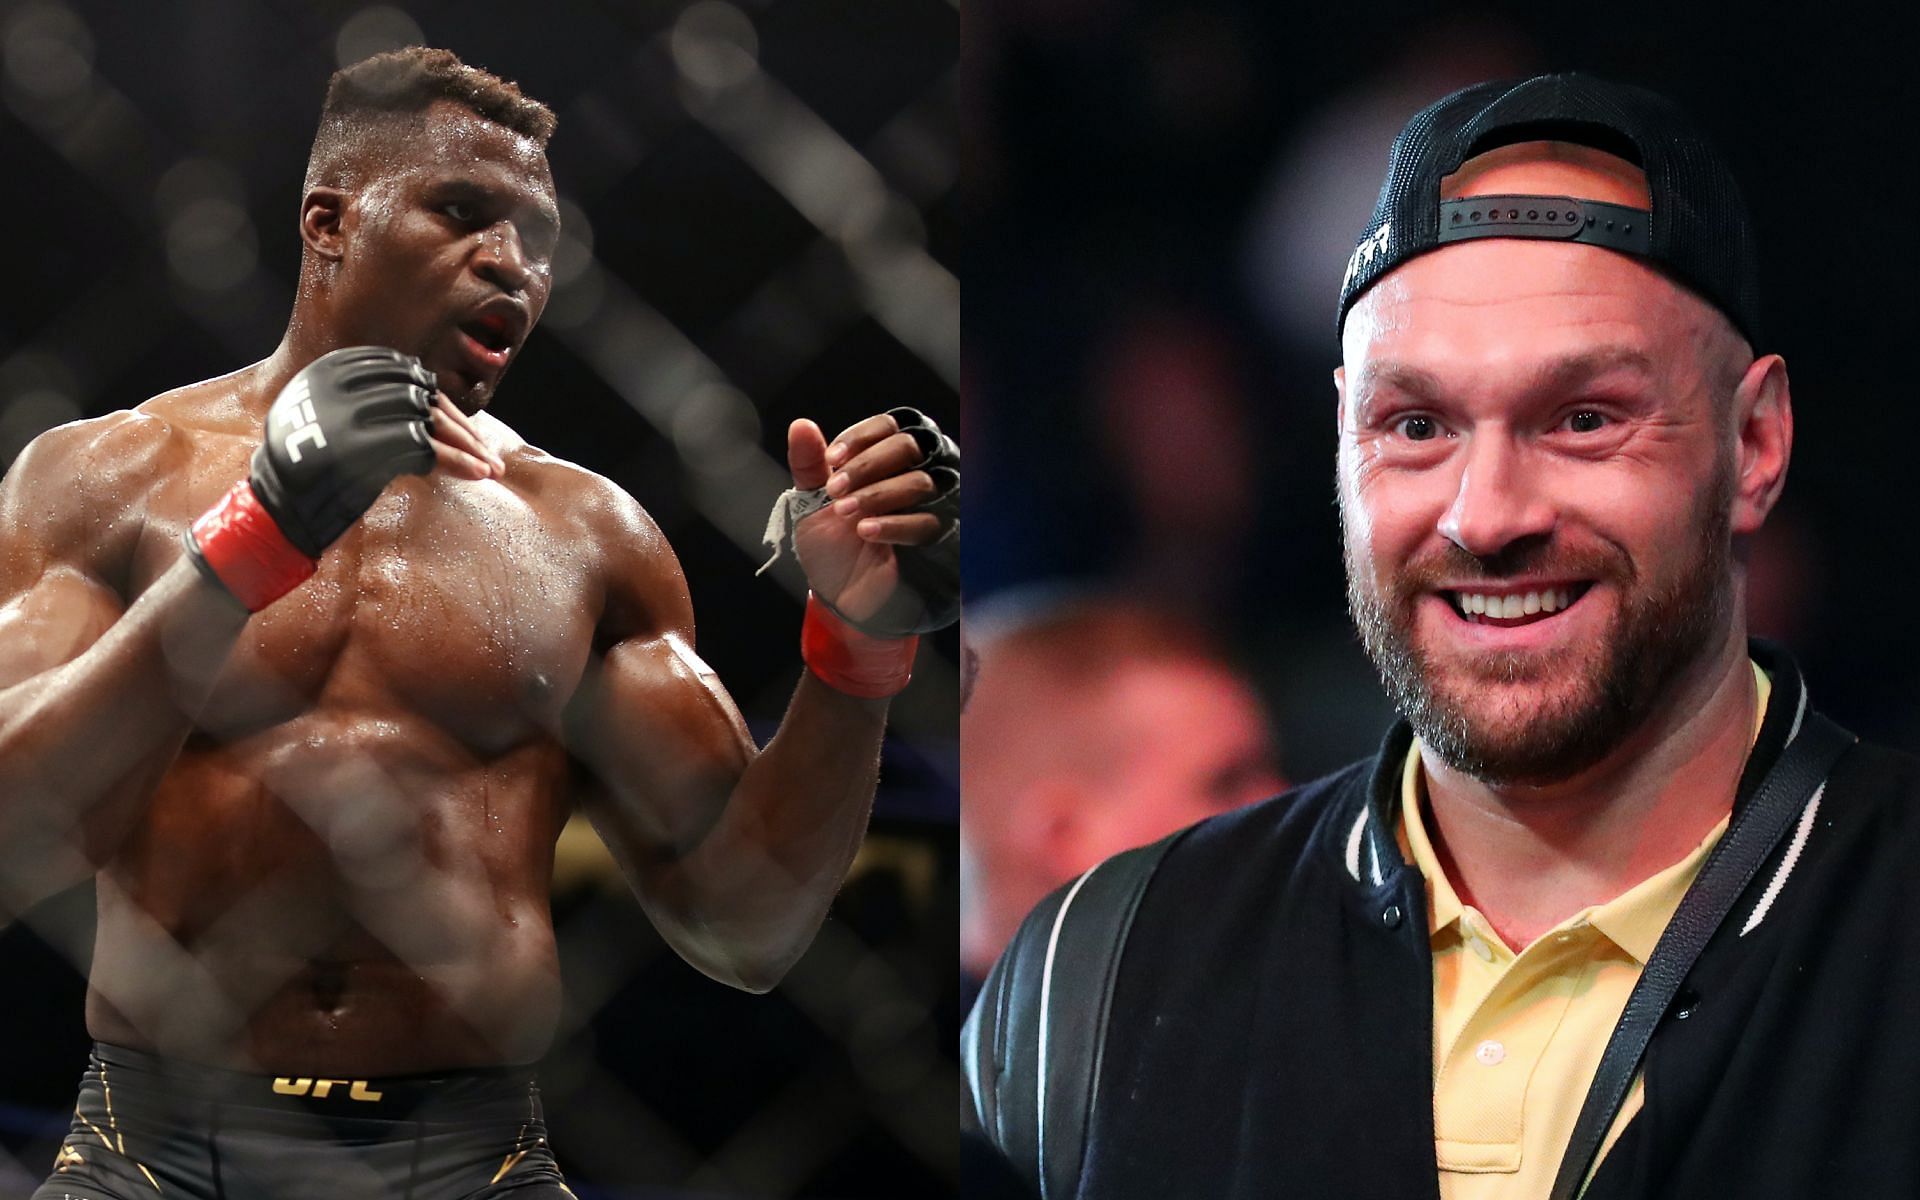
x=1508 y=607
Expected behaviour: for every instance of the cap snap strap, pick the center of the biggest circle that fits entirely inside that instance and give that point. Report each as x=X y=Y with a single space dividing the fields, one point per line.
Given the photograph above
x=1556 y=218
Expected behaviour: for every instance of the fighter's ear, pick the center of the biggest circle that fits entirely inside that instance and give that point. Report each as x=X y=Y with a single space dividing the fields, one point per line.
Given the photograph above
x=322 y=218
x=1340 y=398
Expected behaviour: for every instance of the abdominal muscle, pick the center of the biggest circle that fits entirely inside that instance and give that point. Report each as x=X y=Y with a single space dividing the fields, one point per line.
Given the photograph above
x=337 y=896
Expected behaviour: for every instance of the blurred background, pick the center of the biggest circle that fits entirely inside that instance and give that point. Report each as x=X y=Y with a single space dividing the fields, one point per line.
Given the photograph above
x=1161 y=198
x=761 y=222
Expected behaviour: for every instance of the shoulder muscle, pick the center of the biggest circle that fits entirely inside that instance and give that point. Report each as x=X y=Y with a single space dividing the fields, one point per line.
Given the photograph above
x=644 y=589
x=74 y=496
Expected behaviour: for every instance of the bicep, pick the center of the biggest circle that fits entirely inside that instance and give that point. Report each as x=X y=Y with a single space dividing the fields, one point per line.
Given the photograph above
x=53 y=621
x=660 y=742
x=663 y=742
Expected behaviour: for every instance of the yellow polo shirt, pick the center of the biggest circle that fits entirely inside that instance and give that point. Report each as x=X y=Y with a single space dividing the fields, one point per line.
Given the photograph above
x=1517 y=1037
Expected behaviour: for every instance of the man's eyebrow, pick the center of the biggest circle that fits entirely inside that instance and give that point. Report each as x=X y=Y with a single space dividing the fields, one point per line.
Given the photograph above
x=546 y=218
x=1384 y=375
x=1555 y=375
x=1565 y=374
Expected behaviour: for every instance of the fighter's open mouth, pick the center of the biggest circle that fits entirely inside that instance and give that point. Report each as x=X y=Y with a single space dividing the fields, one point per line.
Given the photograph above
x=491 y=332
x=1509 y=608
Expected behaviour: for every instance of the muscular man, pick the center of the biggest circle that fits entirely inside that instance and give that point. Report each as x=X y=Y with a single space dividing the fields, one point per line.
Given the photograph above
x=307 y=664
x=1613 y=911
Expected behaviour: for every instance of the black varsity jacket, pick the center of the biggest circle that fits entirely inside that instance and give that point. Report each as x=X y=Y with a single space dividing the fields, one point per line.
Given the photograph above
x=1271 y=1025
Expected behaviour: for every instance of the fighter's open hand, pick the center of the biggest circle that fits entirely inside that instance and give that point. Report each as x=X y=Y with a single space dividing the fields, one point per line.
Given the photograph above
x=458 y=448
x=893 y=482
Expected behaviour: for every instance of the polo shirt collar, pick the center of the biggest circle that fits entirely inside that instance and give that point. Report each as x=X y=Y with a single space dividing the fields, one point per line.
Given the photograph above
x=1372 y=844
x=1635 y=919
x=1443 y=903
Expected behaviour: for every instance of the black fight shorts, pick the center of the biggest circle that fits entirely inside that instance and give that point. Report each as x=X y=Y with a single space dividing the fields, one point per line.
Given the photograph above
x=148 y=1127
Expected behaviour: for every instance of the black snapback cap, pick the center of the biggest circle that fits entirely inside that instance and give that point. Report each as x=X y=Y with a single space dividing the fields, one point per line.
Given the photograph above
x=1697 y=230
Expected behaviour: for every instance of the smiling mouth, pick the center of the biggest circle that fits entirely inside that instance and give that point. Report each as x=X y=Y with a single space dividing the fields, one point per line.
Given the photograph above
x=1510 y=609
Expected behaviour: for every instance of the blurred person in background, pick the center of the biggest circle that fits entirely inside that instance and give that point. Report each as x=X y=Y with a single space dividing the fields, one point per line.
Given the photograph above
x=1095 y=723
x=1607 y=912
x=314 y=732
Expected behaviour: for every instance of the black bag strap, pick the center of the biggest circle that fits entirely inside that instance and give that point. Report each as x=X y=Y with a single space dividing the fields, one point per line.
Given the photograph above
x=1749 y=841
x=1032 y=1048
x=1076 y=998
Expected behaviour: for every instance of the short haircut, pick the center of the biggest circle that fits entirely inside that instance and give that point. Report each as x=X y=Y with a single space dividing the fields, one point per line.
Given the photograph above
x=395 y=89
x=1083 y=638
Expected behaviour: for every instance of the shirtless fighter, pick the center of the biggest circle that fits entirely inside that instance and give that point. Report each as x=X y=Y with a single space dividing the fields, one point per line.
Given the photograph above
x=306 y=666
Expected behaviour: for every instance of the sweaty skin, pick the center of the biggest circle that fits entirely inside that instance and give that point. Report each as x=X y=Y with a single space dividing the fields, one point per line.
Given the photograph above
x=323 y=835
x=346 y=866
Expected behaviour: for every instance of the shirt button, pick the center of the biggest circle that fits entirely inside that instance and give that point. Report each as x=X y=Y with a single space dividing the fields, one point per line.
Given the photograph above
x=1481 y=949
x=1490 y=1052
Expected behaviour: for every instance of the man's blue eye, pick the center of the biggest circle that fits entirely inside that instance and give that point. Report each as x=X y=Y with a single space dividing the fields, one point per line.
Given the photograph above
x=1418 y=428
x=1586 y=421
x=458 y=210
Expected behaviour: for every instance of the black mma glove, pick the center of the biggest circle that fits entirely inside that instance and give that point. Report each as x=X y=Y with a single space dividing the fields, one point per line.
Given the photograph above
x=929 y=594
x=341 y=430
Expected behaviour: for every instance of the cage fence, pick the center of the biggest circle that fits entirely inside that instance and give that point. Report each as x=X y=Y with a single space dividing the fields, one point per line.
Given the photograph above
x=759 y=223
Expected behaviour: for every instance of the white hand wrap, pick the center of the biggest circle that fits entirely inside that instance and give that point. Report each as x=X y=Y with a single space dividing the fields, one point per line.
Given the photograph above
x=793 y=506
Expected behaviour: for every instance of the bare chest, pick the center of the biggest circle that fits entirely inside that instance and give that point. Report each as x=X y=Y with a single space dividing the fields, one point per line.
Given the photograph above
x=453 y=601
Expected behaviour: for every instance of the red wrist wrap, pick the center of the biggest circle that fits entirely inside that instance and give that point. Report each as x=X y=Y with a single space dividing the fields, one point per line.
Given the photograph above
x=239 y=542
x=849 y=661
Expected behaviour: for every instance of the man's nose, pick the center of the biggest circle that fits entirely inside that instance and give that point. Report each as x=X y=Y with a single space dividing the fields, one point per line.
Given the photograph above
x=1498 y=500
x=502 y=260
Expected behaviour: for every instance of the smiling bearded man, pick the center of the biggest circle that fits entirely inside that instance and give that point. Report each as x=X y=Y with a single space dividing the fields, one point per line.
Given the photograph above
x=1525 y=715
x=1659 y=629
x=1609 y=913
x=1518 y=710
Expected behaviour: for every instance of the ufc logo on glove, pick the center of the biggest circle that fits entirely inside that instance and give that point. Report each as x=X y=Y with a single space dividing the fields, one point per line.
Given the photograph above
x=306 y=425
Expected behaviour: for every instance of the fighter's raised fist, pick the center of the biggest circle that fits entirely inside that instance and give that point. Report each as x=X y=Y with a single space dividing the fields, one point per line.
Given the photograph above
x=338 y=433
